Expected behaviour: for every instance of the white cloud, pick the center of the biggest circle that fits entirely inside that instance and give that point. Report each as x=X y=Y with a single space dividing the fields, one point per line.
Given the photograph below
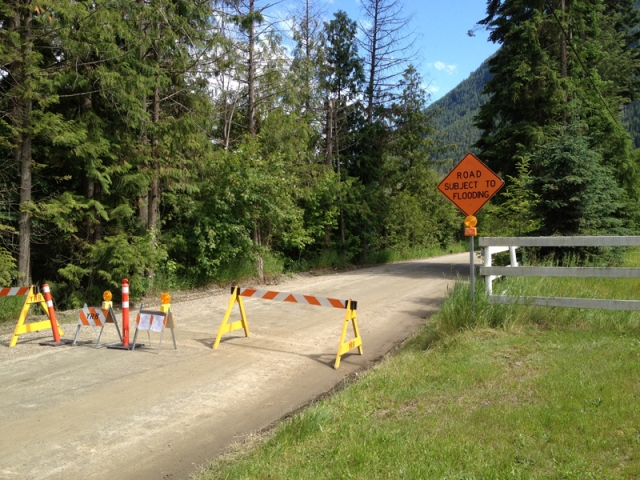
x=431 y=88
x=444 y=67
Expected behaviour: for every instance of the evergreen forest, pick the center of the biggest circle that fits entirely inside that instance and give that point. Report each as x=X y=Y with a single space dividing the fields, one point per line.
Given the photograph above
x=182 y=141
x=455 y=112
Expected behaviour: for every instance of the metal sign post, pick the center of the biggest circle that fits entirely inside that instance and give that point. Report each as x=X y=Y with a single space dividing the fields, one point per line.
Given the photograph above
x=471 y=231
x=472 y=273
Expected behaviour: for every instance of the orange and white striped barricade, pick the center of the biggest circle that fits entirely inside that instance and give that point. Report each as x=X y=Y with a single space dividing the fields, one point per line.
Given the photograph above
x=96 y=317
x=154 y=321
x=349 y=305
x=34 y=298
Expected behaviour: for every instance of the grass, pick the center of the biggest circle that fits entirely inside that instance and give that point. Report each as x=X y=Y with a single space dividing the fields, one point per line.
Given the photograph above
x=10 y=308
x=508 y=392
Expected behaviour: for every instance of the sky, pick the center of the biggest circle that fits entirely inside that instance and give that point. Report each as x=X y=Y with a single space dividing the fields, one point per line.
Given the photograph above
x=446 y=54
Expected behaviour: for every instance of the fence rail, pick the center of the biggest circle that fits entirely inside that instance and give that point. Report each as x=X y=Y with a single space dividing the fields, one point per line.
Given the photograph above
x=590 y=272
x=493 y=245
x=607 y=241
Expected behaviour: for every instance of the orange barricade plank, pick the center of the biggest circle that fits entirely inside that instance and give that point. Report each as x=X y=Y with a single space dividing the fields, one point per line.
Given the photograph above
x=96 y=317
x=312 y=300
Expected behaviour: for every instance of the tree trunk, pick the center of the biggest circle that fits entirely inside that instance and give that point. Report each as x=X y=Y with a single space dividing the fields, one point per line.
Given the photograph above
x=251 y=80
x=307 y=53
x=329 y=162
x=89 y=193
x=372 y=70
x=329 y=134
x=24 y=256
x=24 y=155
x=338 y=169
x=257 y=240
x=143 y=200
x=563 y=59
x=89 y=184
x=154 y=192
x=143 y=210
x=97 y=232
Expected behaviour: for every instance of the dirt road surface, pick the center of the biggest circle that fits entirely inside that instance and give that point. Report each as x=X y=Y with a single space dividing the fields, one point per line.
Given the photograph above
x=80 y=412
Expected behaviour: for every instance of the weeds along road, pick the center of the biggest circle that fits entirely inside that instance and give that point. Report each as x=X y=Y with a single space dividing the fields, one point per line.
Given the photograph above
x=79 y=412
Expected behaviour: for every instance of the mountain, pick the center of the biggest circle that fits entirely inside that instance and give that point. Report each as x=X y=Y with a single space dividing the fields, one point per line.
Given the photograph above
x=454 y=123
x=458 y=108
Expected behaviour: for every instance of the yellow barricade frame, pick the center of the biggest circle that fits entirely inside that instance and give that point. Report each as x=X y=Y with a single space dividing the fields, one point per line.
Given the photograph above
x=236 y=325
x=22 y=327
x=356 y=342
x=343 y=347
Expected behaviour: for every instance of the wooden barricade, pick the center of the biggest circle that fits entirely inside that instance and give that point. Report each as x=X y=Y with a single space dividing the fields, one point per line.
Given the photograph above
x=349 y=305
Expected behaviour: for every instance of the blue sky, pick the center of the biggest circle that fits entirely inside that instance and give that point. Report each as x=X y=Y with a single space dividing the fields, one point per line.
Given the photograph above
x=447 y=55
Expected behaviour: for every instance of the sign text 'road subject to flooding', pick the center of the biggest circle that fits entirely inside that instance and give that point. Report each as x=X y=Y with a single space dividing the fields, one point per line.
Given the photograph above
x=470 y=184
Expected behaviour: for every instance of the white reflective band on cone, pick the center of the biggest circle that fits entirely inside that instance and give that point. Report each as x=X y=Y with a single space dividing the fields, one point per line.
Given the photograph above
x=45 y=289
x=125 y=304
x=125 y=289
x=49 y=303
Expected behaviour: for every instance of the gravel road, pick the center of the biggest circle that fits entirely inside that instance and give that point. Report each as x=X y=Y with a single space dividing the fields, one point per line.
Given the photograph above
x=80 y=412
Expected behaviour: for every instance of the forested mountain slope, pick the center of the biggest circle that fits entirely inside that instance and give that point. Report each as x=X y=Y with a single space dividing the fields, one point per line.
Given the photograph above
x=458 y=108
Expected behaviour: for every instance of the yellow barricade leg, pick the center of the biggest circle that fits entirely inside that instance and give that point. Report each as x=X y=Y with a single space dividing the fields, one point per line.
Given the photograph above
x=350 y=316
x=21 y=327
x=237 y=325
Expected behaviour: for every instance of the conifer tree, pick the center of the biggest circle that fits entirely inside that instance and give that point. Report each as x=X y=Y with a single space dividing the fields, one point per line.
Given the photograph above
x=577 y=194
x=558 y=64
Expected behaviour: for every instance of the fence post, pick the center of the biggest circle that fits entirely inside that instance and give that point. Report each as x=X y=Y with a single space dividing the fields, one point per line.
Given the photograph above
x=488 y=280
x=512 y=256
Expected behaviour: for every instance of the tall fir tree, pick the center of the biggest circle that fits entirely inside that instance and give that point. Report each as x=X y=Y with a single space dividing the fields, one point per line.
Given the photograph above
x=559 y=63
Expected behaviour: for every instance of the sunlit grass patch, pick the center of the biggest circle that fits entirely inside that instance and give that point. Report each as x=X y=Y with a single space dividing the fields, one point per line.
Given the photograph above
x=535 y=403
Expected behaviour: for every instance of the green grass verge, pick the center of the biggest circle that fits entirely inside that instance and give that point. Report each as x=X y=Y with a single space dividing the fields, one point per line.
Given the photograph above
x=486 y=405
x=10 y=308
x=505 y=392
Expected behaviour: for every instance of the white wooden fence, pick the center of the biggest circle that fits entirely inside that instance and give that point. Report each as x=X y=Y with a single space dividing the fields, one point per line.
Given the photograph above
x=493 y=245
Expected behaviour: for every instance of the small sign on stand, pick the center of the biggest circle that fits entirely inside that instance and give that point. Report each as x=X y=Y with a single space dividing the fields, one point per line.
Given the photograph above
x=156 y=321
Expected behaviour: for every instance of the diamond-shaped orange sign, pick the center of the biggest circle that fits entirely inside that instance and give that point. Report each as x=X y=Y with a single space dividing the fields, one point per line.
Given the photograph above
x=470 y=184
